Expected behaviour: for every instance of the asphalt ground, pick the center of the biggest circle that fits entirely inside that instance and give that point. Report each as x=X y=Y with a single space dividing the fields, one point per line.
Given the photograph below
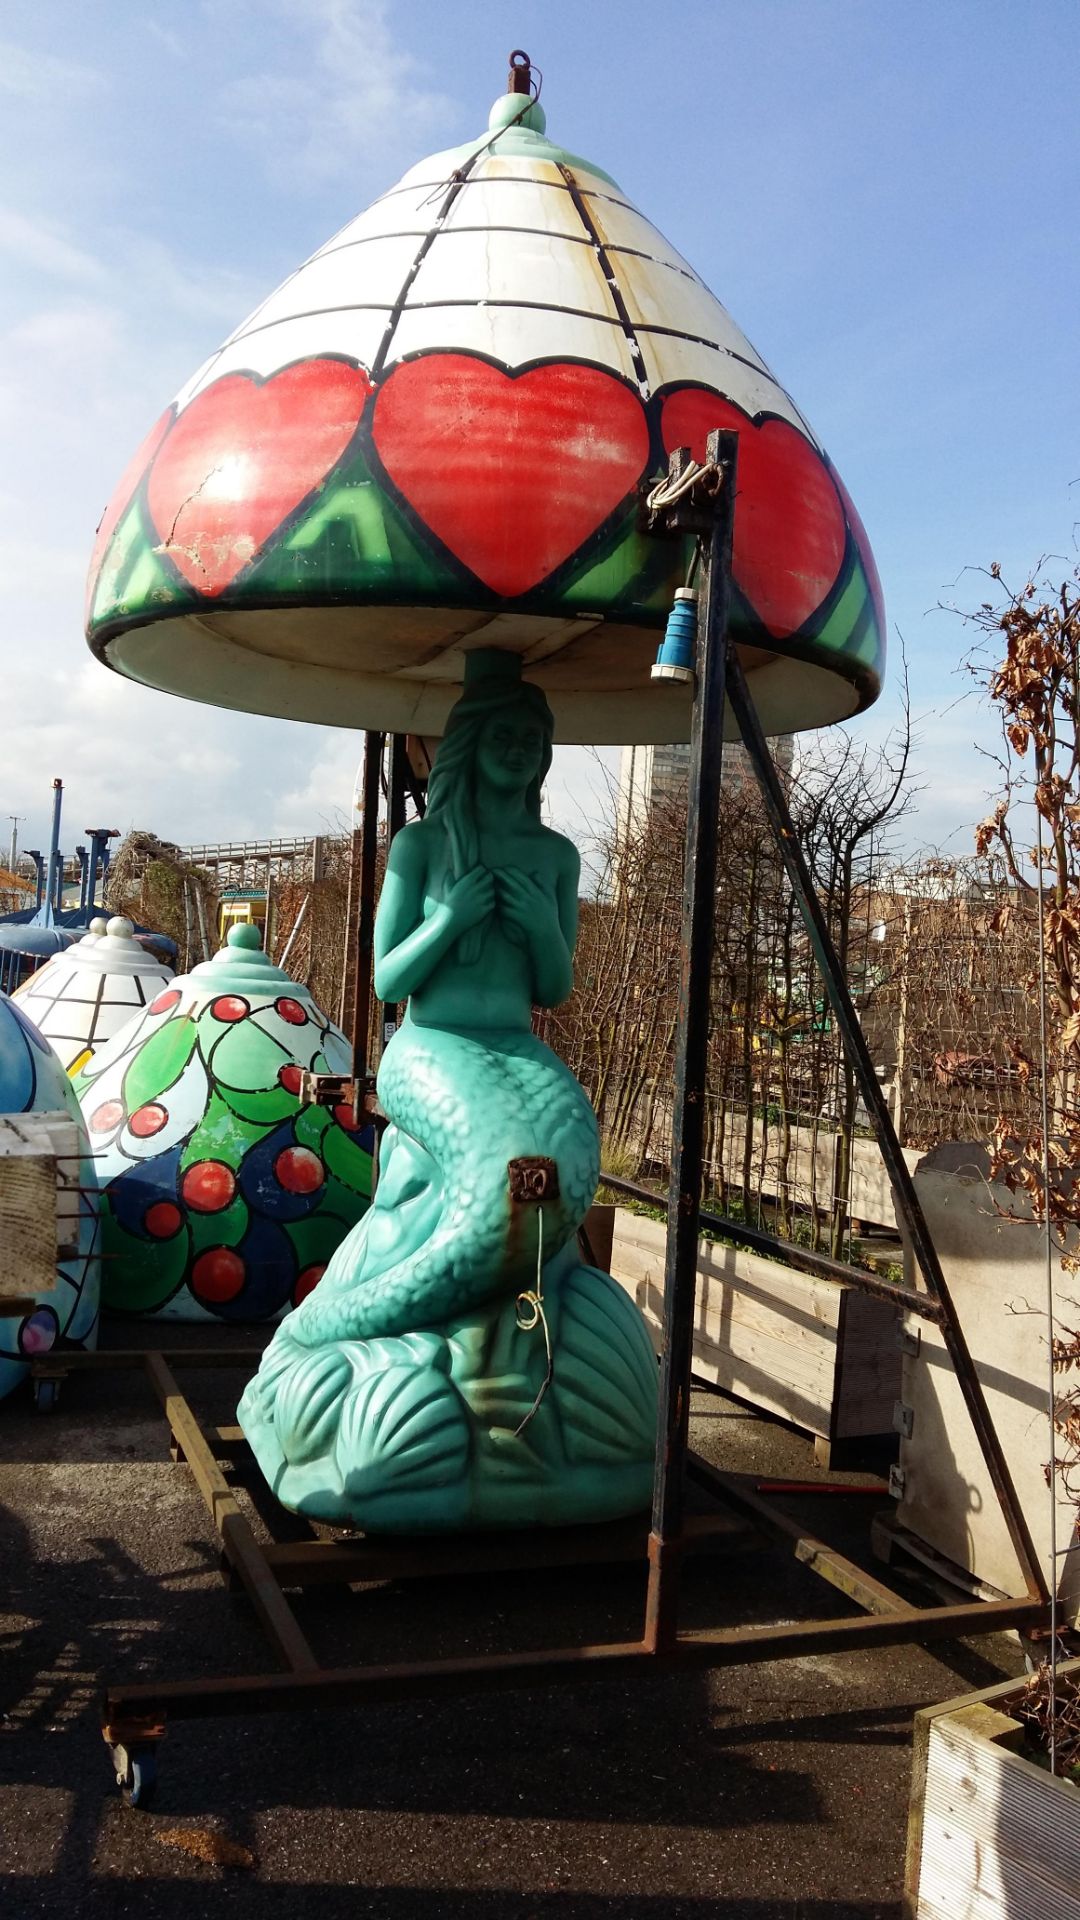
x=770 y=1792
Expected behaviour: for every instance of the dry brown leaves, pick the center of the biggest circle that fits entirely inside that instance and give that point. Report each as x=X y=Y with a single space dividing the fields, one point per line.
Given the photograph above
x=204 y=1844
x=1041 y=1703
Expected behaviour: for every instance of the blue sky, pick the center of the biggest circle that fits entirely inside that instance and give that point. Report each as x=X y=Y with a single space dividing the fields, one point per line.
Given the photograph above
x=884 y=197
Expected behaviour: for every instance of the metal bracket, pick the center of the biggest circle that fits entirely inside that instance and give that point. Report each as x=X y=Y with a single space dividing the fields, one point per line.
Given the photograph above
x=897 y=1481
x=339 y=1090
x=533 y=1177
x=903 y=1419
x=908 y=1339
x=327 y=1089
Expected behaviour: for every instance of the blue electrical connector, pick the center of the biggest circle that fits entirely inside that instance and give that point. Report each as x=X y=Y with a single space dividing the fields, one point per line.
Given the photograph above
x=677 y=657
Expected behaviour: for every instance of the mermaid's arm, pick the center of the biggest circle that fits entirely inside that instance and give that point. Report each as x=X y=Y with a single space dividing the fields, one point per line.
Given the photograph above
x=547 y=926
x=409 y=947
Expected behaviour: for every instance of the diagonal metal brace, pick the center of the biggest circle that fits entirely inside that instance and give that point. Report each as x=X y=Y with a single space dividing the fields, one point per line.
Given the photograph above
x=907 y=1200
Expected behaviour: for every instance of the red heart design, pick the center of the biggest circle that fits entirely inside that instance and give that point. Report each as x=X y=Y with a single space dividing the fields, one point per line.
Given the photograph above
x=512 y=472
x=790 y=531
x=243 y=456
x=122 y=497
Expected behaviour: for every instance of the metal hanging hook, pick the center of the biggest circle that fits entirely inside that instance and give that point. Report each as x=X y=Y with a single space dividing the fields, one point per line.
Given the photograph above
x=520 y=78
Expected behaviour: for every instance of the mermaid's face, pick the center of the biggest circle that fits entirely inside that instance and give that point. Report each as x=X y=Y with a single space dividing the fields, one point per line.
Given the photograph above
x=510 y=750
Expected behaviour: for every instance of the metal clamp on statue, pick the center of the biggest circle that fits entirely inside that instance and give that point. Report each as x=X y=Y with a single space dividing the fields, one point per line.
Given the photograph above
x=458 y=1365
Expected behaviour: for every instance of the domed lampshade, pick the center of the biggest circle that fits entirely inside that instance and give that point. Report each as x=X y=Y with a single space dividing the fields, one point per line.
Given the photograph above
x=82 y=997
x=222 y=1196
x=436 y=435
x=33 y=1081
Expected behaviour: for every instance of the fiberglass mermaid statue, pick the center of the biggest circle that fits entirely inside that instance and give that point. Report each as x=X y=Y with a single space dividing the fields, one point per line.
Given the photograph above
x=457 y=1365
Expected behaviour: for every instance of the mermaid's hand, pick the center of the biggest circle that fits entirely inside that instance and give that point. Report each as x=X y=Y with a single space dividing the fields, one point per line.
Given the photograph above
x=526 y=905
x=471 y=899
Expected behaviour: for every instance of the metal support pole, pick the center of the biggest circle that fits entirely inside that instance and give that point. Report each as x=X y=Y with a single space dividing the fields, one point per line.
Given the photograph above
x=688 y=1110
x=200 y=915
x=399 y=785
x=32 y=854
x=54 y=853
x=365 y=919
x=907 y=1200
x=400 y=778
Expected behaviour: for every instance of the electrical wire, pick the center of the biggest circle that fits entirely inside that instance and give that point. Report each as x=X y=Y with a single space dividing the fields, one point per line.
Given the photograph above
x=530 y=1314
x=528 y=100
x=667 y=491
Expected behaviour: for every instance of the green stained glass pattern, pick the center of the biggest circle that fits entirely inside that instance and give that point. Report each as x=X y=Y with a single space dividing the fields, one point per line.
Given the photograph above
x=347 y=1161
x=159 y=1063
x=631 y=573
x=133 y=576
x=316 y=1238
x=243 y=1056
x=259 y=1108
x=223 y=1228
x=218 y=1136
x=152 y=1270
x=354 y=542
x=311 y=1127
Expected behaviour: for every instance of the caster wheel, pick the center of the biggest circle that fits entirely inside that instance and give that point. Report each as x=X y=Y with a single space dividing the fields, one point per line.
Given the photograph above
x=46 y=1395
x=136 y=1774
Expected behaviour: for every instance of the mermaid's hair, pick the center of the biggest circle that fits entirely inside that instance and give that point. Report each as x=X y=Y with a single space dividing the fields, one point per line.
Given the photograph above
x=451 y=784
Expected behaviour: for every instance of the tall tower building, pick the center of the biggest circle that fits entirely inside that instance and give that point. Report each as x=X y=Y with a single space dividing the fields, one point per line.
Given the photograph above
x=649 y=776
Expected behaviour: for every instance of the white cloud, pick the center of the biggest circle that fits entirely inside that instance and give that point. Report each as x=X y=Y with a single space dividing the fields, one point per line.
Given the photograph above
x=320 y=800
x=31 y=243
x=349 y=91
x=40 y=76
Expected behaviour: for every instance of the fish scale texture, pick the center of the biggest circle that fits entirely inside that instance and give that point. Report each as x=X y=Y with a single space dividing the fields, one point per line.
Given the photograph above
x=434 y=1083
x=405 y=1394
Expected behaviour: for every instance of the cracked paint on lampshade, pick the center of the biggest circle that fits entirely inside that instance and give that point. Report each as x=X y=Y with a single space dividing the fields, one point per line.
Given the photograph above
x=435 y=436
x=223 y=1196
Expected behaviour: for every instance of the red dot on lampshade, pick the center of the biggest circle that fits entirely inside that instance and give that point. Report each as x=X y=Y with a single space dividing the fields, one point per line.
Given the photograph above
x=305 y=1282
x=148 y=1120
x=107 y=1116
x=170 y=998
x=229 y=1006
x=218 y=1274
x=292 y=1011
x=289 y=1078
x=345 y=1116
x=299 y=1170
x=163 y=1220
x=208 y=1186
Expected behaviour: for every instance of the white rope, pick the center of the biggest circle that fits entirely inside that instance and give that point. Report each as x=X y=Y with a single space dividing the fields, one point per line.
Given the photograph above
x=530 y=1314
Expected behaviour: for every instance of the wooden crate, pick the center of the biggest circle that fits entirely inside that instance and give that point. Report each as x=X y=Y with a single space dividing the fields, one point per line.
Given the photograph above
x=814 y=1351
x=990 y=1834
x=995 y=1269
x=39 y=1202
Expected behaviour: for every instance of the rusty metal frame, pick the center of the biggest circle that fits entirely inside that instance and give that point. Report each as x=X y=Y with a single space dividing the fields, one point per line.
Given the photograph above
x=136 y=1716
x=137 y=1713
